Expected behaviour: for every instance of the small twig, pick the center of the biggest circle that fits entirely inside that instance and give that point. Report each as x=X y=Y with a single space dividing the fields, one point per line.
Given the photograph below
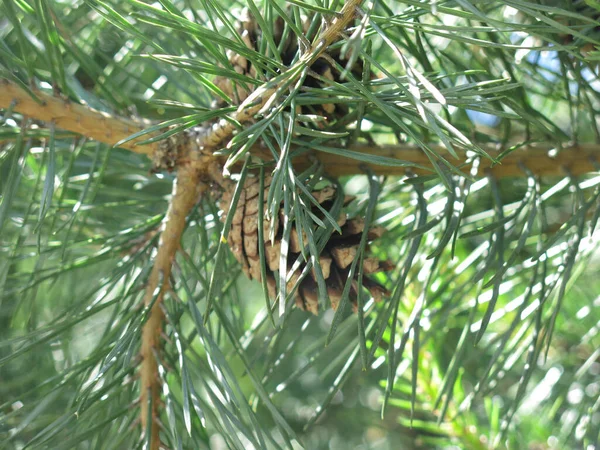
x=538 y=157
x=224 y=129
x=73 y=117
x=186 y=191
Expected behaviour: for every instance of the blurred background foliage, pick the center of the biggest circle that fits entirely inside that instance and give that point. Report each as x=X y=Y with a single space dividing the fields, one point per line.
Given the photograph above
x=490 y=339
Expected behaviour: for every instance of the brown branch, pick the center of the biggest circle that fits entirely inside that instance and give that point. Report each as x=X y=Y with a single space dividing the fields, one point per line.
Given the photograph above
x=186 y=191
x=74 y=117
x=86 y=121
x=577 y=160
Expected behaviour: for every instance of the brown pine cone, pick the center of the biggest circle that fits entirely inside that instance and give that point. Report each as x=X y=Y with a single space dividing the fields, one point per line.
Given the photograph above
x=251 y=34
x=335 y=260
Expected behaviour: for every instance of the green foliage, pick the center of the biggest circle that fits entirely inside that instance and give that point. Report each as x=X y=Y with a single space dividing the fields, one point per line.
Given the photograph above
x=490 y=336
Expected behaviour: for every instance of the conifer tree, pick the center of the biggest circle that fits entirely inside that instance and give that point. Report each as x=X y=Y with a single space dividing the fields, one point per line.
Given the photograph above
x=302 y=224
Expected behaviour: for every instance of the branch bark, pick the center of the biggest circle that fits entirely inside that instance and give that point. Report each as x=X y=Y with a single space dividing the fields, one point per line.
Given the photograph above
x=108 y=129
x=80 y=119
x=186 y=191
x=540 y=158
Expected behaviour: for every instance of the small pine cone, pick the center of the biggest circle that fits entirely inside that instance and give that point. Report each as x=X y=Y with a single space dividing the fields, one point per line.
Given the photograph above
x=251 y=35
x=335 y=260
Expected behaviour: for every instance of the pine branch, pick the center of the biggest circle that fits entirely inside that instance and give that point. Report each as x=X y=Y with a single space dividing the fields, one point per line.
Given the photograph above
x=73 y=117
x=538 y=158
x=81 y=119
x=186 y=191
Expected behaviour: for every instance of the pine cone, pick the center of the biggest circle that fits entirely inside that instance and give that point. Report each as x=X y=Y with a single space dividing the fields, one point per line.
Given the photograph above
x=335 y=260
x=251 y=34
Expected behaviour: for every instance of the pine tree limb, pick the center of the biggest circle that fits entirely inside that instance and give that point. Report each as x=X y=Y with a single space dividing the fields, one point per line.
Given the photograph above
x=186 y=191
x=542 y=159
x=102 y=127
x=74 y=117
x=81 y=119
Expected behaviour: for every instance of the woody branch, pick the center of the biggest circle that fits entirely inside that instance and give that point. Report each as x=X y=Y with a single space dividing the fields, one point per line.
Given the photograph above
x=83 y=120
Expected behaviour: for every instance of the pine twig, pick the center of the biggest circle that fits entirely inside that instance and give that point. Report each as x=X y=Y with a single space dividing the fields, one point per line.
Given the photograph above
x=186 y=191
x=541 y=159
x=74 y=117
